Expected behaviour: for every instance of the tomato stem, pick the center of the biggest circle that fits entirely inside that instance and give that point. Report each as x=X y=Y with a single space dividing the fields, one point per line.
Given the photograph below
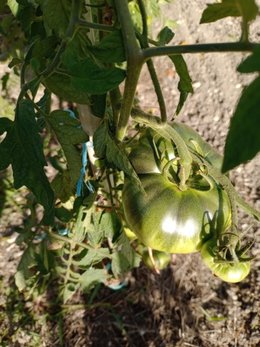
x=135 y=62
x=199 y=48
x=144 y=42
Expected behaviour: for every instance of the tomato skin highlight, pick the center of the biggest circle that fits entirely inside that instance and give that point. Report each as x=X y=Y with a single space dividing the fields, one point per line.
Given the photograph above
x=231 y=273
x=167 y=219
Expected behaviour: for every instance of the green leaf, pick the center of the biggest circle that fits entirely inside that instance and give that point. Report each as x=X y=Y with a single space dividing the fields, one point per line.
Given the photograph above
x=61 y=86
x=93 y=256
x=69 y=290
x=125 y=258
x=114 y=153
x=62 y=185
x=110 y=224
x=24 y=269
x=91 y=277
x=243 y=141
x=165 y=36
x=56 y=15
x=14 y=6
x=185 y=83
x=89 y=77
x=22 y=147
x=230 y=8
x=69 y=134
x=110 y=49
x=251 y=63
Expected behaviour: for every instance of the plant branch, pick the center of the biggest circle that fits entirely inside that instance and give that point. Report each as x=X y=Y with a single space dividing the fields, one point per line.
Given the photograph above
x=144 y=42
x=134 y=65
x=199 y=48
x=144 y=18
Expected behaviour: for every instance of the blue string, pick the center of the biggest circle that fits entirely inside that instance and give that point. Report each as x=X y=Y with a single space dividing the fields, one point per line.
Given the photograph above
x=84 y=161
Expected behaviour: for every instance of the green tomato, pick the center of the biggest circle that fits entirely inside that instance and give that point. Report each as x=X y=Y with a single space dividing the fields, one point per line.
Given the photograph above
x=227 y=272
x=161 y=259
x=167 y=219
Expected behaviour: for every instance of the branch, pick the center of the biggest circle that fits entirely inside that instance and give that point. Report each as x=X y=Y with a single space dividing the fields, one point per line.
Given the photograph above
x=134 y=64
x=144 y=41
x=199 y=48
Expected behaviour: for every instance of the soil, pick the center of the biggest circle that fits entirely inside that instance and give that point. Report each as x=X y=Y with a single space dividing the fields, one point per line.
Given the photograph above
x=185 y=305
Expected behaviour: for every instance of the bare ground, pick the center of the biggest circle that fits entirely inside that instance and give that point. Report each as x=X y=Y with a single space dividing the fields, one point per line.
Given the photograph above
x=184 y=305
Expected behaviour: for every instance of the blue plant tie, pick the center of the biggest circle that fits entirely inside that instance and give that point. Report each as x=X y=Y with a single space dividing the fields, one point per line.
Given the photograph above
x=84 y=161
x=63 y=232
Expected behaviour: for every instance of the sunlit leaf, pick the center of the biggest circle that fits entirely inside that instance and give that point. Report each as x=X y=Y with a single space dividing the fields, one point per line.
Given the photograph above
x=230 y=8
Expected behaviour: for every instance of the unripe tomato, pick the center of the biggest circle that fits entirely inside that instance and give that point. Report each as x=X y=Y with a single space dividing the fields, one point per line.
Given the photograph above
x=167 y=219
x=227 y=272
x=161 y=260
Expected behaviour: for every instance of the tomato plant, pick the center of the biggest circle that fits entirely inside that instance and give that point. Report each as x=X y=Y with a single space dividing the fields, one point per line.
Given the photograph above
x=174 y=186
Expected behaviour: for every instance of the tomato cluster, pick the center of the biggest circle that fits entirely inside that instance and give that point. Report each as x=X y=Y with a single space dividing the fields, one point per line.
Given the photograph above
x=168 y=219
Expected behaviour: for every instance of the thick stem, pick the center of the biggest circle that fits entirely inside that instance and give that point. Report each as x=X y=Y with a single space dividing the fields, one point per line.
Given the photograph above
x=134 y=64
x=199 y=48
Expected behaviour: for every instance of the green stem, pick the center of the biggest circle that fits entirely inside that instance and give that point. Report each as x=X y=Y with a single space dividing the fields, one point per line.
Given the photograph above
x=134 y=65
x=74 y=16
x=115 y=99
x=144 y=19
x=68 y=240
x=144 y=42
x=158 y=90
x=90 y=25
x=199 y=48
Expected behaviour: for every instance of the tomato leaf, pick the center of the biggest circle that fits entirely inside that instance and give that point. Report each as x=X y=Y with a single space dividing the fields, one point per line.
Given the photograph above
x=185 y=83
x=56 y=15
x=22 y=148
x=230 y=8
x=110 y=49
x=125 y=258
x=61 y=86
x=69 y=134
x=243 y=142
x=93 y=256
x=91 y=277
x=90 y=78
x=114 y=153
x=165 y=36
x=251 y=63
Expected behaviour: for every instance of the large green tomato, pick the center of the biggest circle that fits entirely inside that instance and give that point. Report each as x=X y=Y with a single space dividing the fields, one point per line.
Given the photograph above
x=228 y=272
x=167 y=219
